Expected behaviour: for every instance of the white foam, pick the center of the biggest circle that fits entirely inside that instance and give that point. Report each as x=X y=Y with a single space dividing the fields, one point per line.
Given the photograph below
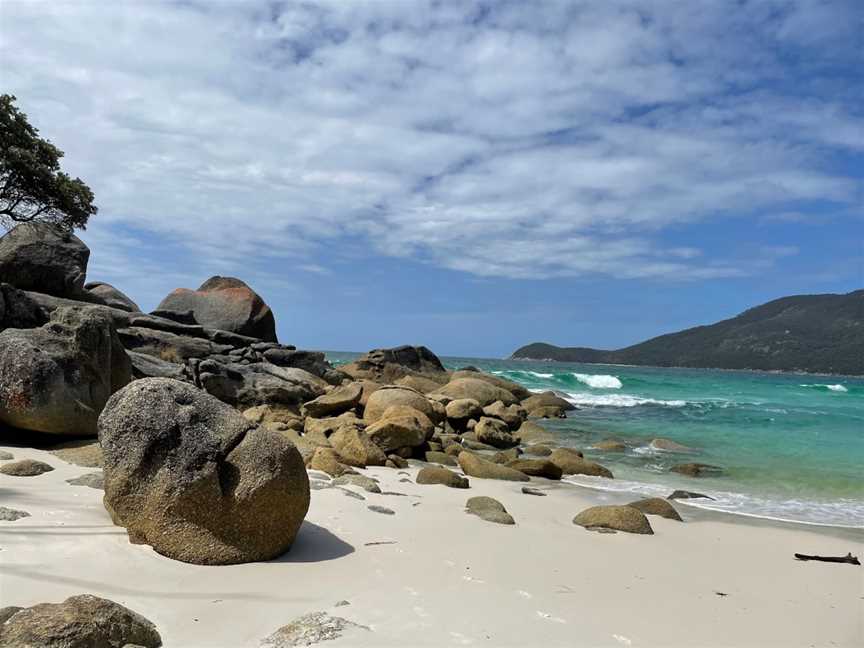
x=619 y=400
x=541 y=375
x=836 y=388
x=599 y=381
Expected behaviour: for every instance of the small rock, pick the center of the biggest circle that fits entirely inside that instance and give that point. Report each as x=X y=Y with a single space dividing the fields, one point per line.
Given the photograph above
x=657 y=506
x=6 y=456
x=670 y=446
x=397 y=461
x=10 y=515
x=489 y=509
x=25 y=468
x=609 y=445
x=86 y=455
x=381 y=509
x=342 y=603
x=683 y=494
x=93 y=480
x=697 y=470
x=439 y=475
x=532 y=491
x=440 y=458
x=361 y=481
x=308 y=630
x=352 y=494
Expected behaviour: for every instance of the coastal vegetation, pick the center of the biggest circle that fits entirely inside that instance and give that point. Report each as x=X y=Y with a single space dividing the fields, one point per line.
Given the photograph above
x=807 y=333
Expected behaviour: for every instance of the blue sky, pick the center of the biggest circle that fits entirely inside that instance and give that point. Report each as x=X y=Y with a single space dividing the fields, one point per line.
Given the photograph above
x=469 y=176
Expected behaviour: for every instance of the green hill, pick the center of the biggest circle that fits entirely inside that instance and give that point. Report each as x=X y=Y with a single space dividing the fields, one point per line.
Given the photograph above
x=814 y=333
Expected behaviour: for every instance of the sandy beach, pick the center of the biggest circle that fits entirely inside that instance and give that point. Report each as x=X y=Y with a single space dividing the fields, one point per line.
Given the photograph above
x=432 y=575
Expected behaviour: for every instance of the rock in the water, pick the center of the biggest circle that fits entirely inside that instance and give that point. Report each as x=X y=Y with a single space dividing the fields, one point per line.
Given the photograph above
x=25 y=468
x=388 y=396
x=433 y=456
x=400 y=426
x=439 y=475
x=381 y=509
x=546 y=399
x=82 y=621
x=666 y=445
x=10 y=515
x=334 y=402
x=57 y=378
x=110 y=296
x=93 y=480
x=483 y=392
x=609 y=445
x=571 y=463
x=489 y=509
x=474 y=466
x=308 y=630
x=697 y=470
x=360 y=481
x=656 y=506
x=44 y=258
x=683 y=494
x=227 y=304
x=356 y=448
x=494 y=432
x=192 y=477
x=530 y=432
x=536 y=468
x=619 y=518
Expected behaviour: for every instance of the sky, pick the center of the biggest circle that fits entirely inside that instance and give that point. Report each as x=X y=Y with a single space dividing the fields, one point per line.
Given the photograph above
x=472 y=176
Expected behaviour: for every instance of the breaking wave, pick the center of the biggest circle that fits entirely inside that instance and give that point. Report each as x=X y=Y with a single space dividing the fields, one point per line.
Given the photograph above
x=619 y=400
x=599 y=381
x=834 y=388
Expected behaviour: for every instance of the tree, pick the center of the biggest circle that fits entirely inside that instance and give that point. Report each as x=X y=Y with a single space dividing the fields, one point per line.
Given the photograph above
x=32 y=186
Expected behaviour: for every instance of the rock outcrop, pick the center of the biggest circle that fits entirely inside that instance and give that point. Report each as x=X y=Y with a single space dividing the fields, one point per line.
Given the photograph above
x=44 y=258
x=483 y=392
x=195 y=479
x=58 y=377
x=389 y=365
x=227 y=304
x=82 y=621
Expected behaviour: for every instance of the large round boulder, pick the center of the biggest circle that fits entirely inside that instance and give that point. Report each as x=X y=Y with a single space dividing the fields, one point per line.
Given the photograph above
x=57 y=378
x=195 y=479
x=494 y=432
x=227 y=304
x=539 y=404
x=389 y=395
x=336 y=401
x=400 y=427
x=483 y=392
x=82 y=621
x=657 y=506
x=44 y=258
x=619 y=518
x=438 y=475
x=519 y=391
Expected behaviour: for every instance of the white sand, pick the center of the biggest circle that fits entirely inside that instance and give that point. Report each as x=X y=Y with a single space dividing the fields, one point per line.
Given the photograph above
x=450 y=578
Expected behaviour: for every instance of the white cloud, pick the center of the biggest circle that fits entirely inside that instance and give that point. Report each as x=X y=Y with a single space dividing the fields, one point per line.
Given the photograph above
x=509 y=139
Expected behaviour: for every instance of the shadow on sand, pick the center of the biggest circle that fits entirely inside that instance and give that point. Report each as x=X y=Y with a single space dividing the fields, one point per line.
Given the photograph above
x=315 y=544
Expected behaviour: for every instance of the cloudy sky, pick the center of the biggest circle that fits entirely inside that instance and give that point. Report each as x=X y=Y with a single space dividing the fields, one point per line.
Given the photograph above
x=468 y=175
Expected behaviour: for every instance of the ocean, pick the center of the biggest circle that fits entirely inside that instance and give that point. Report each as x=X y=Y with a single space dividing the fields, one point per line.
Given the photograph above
x=791 y=446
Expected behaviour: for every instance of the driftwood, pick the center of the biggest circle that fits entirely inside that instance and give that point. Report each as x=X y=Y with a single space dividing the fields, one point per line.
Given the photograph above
x=848 y=558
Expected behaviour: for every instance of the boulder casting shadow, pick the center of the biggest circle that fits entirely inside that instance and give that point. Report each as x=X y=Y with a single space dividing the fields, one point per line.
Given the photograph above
x=315 y=544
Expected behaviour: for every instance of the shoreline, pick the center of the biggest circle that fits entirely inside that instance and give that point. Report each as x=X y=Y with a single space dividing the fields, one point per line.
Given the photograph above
x=433 y=573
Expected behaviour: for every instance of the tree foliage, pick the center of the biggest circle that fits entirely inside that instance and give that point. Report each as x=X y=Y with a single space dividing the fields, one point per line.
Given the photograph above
x=32 y=186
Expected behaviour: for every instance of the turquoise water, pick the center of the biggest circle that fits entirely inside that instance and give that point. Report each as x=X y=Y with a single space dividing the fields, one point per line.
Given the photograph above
x=791 y=446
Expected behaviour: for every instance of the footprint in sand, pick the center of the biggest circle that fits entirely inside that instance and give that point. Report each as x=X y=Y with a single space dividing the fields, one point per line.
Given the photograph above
x=524 y=594
x=622 y=640
x=471 y=579
x=461 y=639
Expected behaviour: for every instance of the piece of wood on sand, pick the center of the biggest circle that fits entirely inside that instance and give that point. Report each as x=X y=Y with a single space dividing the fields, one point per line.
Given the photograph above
x=848 y=558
